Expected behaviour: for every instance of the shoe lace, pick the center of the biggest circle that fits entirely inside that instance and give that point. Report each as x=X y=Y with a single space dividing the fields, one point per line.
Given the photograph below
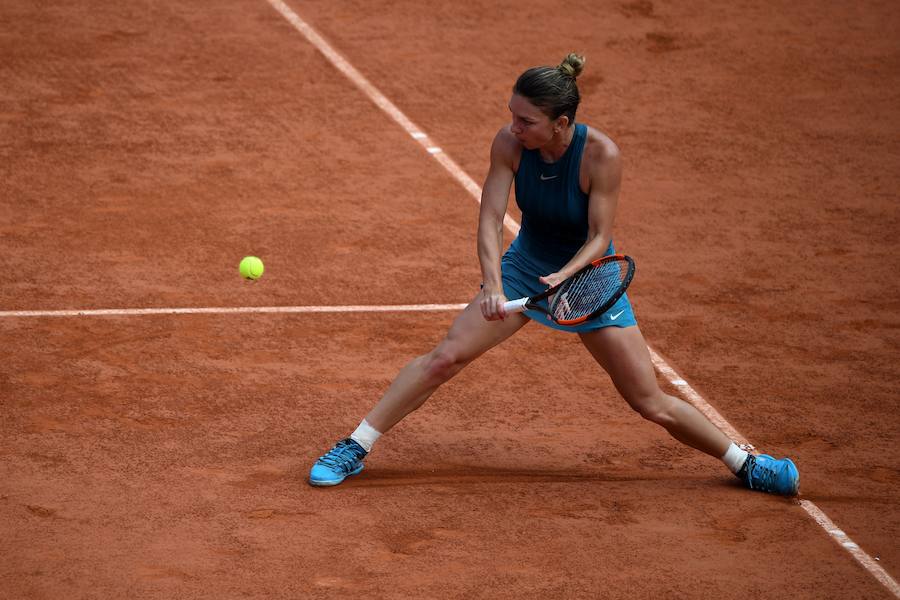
x=343 y=456
x=762 y=476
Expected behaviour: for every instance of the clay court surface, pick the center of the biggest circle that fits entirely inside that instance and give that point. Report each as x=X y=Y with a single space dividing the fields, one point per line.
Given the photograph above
x=145 y=147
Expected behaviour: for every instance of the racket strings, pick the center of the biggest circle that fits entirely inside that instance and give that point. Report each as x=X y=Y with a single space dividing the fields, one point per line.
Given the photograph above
x=588 y=291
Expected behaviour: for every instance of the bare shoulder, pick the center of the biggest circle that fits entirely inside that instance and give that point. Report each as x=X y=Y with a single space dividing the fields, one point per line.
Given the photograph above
x=600 y=150
x=601 y=163
x=506 y=149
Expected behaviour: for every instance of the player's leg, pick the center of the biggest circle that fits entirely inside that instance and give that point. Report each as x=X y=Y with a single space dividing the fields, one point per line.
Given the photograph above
x=623 y=353
x=469 y=337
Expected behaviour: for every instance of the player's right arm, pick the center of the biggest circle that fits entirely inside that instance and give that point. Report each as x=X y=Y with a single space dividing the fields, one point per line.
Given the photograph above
x=494 y=199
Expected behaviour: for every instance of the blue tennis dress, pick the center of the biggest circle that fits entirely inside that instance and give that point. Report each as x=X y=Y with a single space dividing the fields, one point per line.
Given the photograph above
x=554 y=227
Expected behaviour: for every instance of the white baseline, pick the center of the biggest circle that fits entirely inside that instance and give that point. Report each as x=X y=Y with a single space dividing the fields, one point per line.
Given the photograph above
x=132 y=312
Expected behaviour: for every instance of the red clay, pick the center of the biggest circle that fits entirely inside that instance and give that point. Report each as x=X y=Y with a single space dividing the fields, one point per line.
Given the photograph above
x=145 y=148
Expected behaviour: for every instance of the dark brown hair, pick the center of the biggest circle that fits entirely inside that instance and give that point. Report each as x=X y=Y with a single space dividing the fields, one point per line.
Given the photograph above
x=553 y=89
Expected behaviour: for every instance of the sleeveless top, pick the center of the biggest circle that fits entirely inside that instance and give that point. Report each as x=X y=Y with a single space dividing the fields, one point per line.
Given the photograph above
x=554 y=209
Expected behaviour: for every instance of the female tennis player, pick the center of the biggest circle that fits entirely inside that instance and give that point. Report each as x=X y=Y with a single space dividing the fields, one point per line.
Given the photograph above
x=566 y=178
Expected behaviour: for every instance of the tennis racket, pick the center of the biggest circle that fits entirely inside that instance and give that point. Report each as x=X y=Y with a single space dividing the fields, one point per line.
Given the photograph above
x=585 y=295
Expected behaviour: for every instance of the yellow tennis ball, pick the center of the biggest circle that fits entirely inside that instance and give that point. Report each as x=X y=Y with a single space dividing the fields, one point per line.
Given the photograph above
x=251 y=267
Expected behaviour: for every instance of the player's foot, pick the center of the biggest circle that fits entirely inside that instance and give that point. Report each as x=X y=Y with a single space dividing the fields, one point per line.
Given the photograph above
x=342 y=461
x=767 y=474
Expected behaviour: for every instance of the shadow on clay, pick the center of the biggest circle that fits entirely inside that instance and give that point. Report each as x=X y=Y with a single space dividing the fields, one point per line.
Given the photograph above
x=380 y=477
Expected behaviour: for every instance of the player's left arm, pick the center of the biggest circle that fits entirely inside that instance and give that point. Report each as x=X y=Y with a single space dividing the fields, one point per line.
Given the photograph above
x=605 y=170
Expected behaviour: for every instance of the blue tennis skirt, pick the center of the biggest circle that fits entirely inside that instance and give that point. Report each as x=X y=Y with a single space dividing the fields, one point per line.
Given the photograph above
x=521 y=269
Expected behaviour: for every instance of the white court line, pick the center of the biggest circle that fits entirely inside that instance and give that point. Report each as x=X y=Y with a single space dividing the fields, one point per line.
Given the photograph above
x=117 y=312
x=381 y=101
x=850 y=546
x=475 y=190
x=688 y=393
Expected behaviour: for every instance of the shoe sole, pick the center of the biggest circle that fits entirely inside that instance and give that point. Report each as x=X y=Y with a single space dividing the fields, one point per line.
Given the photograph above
x=331 y=482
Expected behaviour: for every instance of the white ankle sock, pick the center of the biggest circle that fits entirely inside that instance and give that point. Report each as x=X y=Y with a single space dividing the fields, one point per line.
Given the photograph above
x=365 y=435
x=734 y=458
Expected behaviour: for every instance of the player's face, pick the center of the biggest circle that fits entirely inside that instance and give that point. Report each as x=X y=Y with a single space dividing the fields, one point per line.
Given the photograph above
x=530 y=125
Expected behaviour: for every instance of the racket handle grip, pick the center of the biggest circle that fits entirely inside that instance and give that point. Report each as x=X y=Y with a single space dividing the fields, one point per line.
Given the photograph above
x=515 y=306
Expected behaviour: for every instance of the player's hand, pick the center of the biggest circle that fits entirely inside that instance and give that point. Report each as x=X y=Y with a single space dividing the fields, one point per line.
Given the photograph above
x=492 y=302
x=552 y=279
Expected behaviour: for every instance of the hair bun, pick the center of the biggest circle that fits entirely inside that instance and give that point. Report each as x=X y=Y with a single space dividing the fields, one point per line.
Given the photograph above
x=572 y=65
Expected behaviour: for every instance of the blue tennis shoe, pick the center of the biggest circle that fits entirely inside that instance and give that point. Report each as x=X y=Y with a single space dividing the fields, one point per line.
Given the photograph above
x=342 y=461
x=767 y=474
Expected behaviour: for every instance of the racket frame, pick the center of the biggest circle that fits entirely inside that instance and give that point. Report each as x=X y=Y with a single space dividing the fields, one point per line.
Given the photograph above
x=532 y=302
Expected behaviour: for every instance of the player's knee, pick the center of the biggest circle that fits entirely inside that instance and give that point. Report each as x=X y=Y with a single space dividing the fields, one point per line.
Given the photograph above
x=442 y=364
x=656 y=408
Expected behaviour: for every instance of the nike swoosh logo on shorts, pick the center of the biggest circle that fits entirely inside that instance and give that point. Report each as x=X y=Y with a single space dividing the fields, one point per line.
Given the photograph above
x=616 y=316
x=548 y=178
